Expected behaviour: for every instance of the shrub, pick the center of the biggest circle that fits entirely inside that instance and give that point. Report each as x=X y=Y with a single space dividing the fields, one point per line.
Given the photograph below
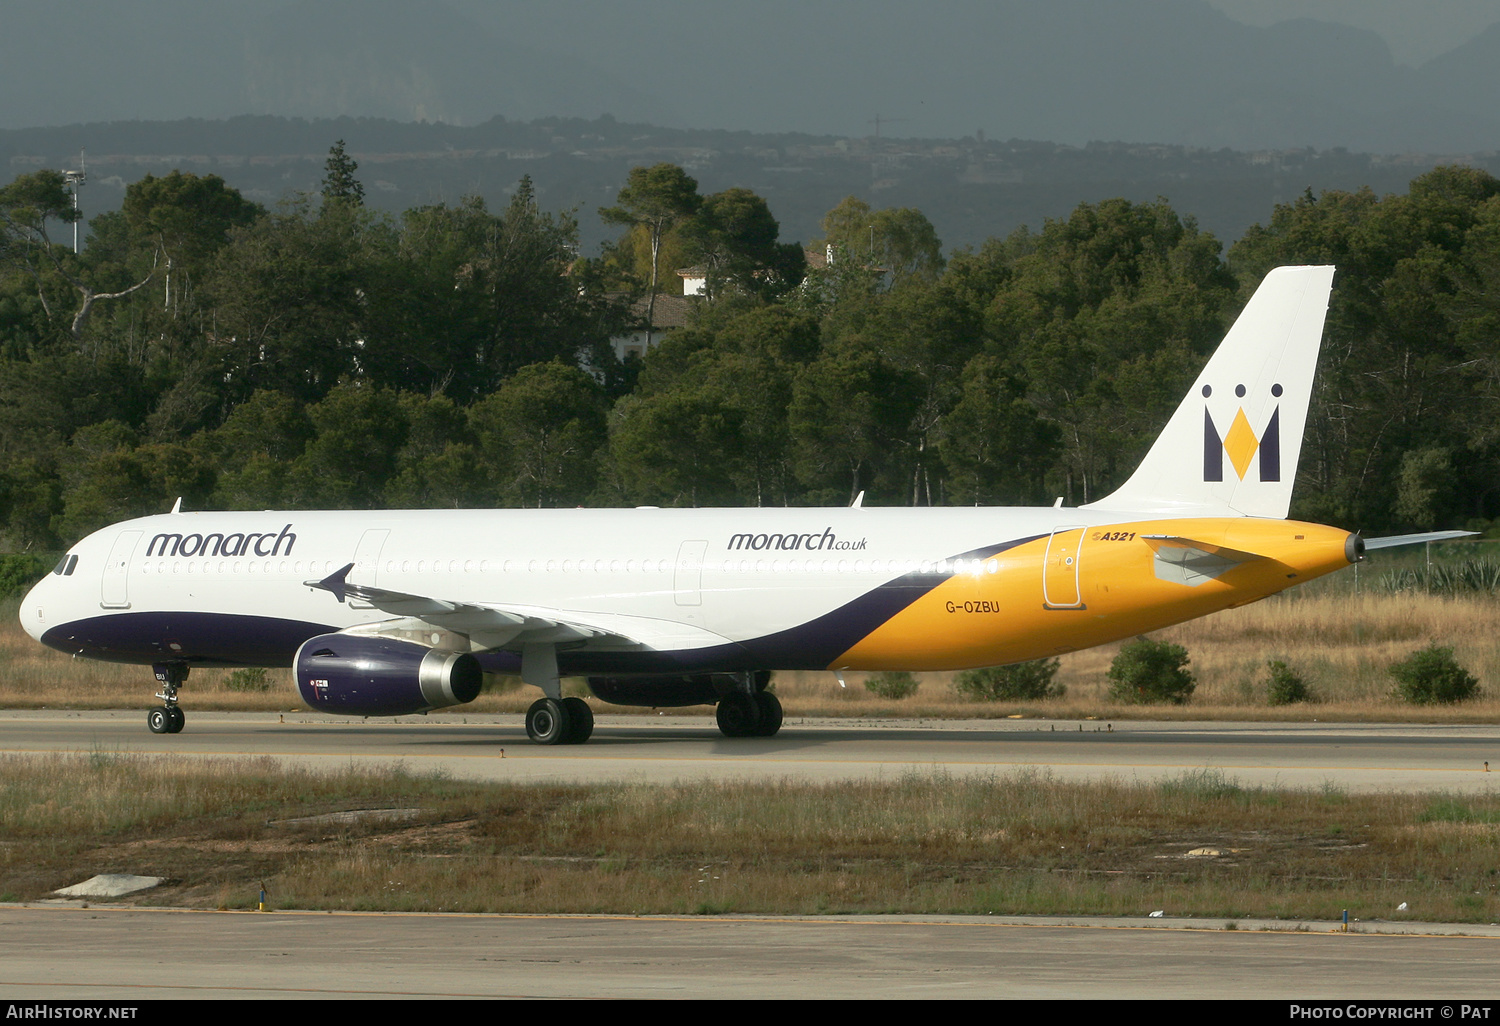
x=1285 y=685
x=892 y=684
x=1433 y=675
x=1151 y=671
x=19 y=571
x=248 y=678
x=1031 y=680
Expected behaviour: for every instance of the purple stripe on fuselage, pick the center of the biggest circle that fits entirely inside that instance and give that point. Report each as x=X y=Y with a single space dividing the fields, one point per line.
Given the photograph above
x=205 y=639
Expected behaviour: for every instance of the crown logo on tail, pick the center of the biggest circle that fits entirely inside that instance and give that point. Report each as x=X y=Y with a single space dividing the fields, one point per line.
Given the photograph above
x=1240 y=442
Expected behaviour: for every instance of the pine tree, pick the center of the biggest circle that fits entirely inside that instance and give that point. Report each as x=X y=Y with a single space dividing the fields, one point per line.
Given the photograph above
x=339 y=183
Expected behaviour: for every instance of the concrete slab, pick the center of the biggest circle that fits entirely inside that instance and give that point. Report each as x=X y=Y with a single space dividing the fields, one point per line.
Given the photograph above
x=110 y=885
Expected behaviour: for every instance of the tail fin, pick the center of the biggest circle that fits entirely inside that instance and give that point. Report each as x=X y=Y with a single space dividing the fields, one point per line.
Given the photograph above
x=1231 y=448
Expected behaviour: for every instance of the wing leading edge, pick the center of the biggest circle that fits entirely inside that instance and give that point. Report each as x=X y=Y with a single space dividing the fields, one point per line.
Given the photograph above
x=514 y=627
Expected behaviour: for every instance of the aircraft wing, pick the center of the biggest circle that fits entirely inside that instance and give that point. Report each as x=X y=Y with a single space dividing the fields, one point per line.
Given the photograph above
x=499 y=626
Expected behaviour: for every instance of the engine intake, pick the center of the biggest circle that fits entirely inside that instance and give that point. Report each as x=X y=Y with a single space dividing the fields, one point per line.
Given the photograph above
x=372 y=676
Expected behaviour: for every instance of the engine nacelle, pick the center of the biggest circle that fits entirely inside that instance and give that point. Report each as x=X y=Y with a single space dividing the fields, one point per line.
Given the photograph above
x=361 y=675
x=668 y=691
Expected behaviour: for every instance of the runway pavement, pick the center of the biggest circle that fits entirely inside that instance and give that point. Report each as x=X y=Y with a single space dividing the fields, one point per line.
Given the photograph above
x=126 y=955
x=1356 y=757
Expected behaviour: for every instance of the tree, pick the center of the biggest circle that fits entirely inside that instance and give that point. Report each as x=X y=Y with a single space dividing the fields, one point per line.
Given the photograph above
x=540 y=434
x=1425 y=476
x=291 y=296
x=340 y=187
x=255 y=450
x=1109 y=314
x=994 y=446
x=359 y=430
x=657 y=198
x=850 y=411
x=733 y=237
x=26 y=205
x=186 y=217
x=468 y=297
x=439 y=465
x=681 y=447
x=901 y=242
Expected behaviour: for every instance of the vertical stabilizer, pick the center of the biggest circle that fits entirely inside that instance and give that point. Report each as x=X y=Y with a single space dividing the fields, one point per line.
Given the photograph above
x=1232 y=446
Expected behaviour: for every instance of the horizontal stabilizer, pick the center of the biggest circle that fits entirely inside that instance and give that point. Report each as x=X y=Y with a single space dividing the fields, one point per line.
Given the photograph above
x=1156 y=541
x=1397 y=540
x=1192 y=562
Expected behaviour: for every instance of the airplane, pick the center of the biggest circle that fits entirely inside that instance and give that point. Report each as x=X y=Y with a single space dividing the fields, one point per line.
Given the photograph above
x=403 y=611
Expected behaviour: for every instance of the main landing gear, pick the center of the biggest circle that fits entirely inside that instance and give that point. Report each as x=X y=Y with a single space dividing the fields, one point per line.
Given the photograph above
x=169 y=719
x=567 y=721
x=553 y=720
x=747 y=713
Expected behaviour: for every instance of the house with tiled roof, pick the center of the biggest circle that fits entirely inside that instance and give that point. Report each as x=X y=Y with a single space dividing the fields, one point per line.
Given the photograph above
x=671 y=313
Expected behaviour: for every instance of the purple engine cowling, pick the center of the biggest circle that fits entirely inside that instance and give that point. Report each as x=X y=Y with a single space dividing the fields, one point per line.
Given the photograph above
x=371 y=676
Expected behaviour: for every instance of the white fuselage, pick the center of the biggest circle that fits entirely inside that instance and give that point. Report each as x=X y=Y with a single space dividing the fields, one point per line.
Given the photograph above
x=693 y=589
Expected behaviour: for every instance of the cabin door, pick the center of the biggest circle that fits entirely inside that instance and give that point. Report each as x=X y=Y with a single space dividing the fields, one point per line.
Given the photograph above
x=114 y=592
x=1060 y=569
x=688 y=581
x=367 y=562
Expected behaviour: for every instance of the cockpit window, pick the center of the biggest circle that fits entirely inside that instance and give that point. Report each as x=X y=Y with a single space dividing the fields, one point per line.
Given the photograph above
x=72 y=565
x=66 y=566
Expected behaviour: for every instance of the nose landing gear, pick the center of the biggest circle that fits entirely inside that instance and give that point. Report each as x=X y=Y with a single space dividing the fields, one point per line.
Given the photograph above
x=169 y=719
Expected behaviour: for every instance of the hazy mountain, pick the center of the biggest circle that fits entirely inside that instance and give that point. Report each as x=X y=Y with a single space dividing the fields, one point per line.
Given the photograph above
x=388 y=58
x=1171 y=71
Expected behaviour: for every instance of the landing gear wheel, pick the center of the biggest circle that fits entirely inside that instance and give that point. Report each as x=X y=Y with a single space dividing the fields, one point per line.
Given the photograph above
x=169 y=718
x=770 y=714
x=738 y=715
x=547 y=722
x=580 y=720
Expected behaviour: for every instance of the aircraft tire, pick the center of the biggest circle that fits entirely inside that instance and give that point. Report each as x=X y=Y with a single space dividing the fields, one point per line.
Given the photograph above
x=547 y=722
x=159 y=720
x=178 y=718
x=738 y=715
x=770 y=714
x=580 y=720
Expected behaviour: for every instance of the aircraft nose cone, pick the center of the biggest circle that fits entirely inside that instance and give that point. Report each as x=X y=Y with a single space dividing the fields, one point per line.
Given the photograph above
x=34 y=612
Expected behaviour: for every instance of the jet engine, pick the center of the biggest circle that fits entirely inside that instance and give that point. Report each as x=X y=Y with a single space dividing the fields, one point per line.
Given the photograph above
x=373 y=676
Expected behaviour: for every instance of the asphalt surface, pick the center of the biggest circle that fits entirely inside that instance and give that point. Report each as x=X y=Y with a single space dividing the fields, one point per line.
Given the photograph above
x=1356 y=757
x=127 y=955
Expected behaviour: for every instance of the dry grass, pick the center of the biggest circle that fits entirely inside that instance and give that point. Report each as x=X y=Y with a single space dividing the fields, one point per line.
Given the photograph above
x=1341 y=642
x=1014 y=844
